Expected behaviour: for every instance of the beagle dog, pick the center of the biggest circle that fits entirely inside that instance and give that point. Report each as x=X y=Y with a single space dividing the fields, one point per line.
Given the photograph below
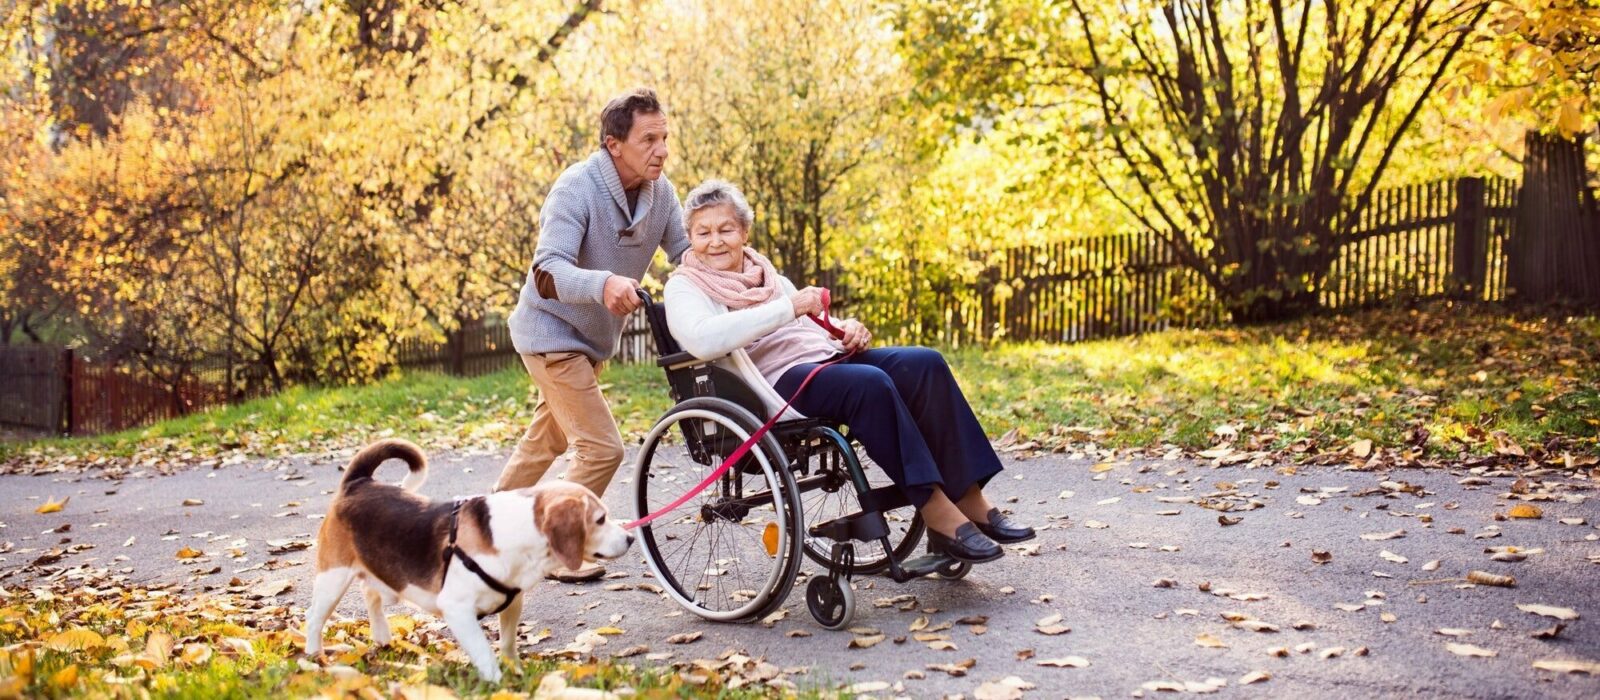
x=462 y=560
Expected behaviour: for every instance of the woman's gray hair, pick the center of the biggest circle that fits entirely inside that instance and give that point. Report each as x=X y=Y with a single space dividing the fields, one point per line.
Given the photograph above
x=712 y=193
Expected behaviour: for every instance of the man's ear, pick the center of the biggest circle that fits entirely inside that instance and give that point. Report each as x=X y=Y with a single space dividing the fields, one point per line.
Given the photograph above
x=613 y=146
x=563 y=522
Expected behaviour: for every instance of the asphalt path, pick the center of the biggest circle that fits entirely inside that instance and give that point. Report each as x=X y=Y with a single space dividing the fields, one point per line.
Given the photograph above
x=1145 y=578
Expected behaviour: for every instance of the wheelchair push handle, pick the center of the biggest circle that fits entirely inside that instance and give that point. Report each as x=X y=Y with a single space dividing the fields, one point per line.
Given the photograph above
x=644 y=296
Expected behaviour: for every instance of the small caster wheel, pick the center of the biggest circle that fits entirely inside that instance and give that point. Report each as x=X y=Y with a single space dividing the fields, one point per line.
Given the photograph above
x=954 y=571
x=831 y=602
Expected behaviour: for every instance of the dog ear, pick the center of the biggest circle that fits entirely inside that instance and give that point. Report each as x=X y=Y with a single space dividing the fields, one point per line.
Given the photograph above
x=564 y=523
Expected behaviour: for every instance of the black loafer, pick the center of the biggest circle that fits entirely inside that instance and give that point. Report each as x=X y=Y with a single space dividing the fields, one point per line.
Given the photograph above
x=969 y=545
x=1004 y=530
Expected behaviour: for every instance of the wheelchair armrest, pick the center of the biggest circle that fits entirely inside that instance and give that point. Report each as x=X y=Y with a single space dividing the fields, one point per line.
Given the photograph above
x=680 y=360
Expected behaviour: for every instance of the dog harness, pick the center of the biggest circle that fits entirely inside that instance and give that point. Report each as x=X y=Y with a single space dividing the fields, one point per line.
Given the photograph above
x=451 y=550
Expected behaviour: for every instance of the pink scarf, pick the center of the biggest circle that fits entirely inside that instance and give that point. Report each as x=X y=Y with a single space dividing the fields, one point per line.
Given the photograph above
x=755 y=283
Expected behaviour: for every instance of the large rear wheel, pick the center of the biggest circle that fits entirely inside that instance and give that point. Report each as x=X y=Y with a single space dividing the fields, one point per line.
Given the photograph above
x=731 y=552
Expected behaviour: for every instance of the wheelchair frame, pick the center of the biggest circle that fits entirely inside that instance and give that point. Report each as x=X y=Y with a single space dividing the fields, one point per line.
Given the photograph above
x=830 y=599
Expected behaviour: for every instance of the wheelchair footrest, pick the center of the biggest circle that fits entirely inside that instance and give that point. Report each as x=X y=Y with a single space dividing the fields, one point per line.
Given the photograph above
x=865 y=526
x=917 y=567
x=884 y=498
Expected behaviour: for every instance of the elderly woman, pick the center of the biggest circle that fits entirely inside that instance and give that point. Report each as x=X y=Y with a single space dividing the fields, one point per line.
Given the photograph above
x=901 y=403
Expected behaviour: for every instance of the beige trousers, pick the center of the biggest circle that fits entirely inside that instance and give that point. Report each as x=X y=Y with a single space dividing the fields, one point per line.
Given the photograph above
x=571 y=412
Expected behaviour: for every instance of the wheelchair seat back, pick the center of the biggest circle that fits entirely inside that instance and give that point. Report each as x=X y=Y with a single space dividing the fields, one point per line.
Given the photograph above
x=733 y=377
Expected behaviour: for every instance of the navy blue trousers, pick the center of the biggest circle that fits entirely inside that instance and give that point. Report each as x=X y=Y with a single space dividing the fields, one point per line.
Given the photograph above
x=903 y=405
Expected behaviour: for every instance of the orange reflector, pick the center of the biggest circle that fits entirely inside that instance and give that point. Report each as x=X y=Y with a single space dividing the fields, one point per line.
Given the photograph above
x=769 y=537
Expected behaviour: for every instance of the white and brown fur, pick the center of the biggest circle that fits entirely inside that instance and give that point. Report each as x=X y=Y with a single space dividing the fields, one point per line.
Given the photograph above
x=394 y=541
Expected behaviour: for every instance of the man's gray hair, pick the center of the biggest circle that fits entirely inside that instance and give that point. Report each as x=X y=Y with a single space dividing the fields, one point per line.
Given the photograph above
x=712 y=193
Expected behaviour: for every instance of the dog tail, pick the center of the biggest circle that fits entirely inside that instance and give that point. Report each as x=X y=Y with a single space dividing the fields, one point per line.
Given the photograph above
x=367 y=460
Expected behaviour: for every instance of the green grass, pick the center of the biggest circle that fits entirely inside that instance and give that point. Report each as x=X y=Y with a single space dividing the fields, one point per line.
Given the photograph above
x=1457 y=380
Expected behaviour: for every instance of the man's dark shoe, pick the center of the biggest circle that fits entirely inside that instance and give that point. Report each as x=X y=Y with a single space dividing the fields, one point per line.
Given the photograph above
x=1003 y=529
x=969 y=545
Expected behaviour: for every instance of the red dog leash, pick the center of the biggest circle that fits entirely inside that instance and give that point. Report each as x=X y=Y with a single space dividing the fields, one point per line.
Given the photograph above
x=744 y=448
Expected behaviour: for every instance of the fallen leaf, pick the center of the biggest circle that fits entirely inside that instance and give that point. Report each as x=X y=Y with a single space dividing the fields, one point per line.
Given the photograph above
x=1549 y=611
x=1550 y=633
x=1256 y=626
x=1361 y=448
x=1526 y=511
x=1320 y=557
x=190 y=553
x=1254 y=677
x=193 y=502
x=1376 y=536
x=1452 y=632
x=955 y=670
x=684 y=638
x=1568 y=666
x=1065 y=662
x=1485 y=578
x=865 y=642
x=52 y=505
x=269 y=589
x=1008 y=688
x=75 y=639
x=632 y=651
x=1225 y=521
x=65 y=678
x=1209 y=641
x=1470 y=650
x=1392 y=557
x=775 y=617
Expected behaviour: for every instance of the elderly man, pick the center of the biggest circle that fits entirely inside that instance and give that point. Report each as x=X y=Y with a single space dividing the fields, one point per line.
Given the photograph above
x=599 y=229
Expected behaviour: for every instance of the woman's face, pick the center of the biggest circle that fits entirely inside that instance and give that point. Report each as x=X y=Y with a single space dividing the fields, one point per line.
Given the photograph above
x=717 y=237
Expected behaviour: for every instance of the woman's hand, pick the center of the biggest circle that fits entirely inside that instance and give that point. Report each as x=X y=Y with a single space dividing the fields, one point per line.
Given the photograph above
x=856 y=336
x=807 y=302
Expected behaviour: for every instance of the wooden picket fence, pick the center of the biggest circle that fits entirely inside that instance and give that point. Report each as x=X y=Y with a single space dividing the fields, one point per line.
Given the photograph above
x=1416 y=242
x=56 y=390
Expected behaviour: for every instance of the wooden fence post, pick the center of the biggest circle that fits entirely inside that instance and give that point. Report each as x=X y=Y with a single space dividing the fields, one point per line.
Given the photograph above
x=1469 y=262
x=68 y=385
x=454 y=344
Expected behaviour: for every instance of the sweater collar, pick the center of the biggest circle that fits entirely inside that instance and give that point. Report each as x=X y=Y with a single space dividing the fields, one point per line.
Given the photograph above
x=605 y=174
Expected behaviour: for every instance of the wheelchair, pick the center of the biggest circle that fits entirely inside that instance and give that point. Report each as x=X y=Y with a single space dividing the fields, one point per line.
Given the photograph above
x=733 y=552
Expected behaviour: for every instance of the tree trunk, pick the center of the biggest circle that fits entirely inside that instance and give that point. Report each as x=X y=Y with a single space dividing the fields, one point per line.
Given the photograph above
x=1554 y=254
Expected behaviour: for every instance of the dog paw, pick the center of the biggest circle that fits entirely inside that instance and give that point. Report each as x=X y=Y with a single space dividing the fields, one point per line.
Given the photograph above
x=491 y=674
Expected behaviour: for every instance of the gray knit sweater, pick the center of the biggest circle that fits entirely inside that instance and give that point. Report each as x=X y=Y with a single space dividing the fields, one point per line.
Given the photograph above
x=585 y=235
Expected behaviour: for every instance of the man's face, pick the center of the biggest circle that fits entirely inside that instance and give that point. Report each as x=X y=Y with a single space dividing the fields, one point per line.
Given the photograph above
x=640 y=157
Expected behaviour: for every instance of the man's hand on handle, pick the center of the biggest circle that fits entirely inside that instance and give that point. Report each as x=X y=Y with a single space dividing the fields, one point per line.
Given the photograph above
x=621 y=295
